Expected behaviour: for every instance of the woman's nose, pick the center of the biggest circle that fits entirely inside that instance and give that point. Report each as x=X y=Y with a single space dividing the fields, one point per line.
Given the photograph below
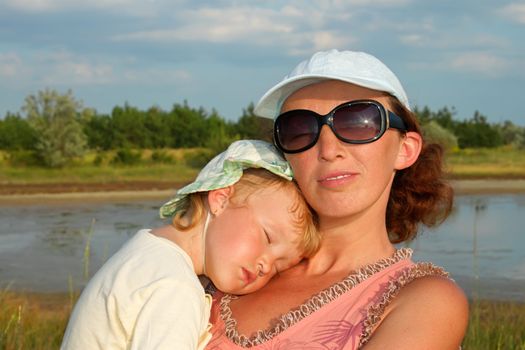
x=328 y=145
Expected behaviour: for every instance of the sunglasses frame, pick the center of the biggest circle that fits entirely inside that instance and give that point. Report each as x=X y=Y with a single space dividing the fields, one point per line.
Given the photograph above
x=388 y=120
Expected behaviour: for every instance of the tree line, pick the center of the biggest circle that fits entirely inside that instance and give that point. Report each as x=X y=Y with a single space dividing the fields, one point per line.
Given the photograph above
x=54 y=128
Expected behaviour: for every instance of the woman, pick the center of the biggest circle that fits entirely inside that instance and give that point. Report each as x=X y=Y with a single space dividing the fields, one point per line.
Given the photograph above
x=344 y=123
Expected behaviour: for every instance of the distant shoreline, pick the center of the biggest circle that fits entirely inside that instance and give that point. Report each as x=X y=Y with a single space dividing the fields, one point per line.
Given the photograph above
x=130 y=192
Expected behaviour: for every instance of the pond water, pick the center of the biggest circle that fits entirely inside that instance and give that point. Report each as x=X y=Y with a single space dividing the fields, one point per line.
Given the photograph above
x=42 y=246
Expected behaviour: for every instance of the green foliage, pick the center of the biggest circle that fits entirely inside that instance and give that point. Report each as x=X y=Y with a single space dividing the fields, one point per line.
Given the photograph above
x=126 y=156
x=512 y=134
x=99 y=131
x=58 y=129
x=55 y=119
x=198 y=158
x=253 y=127
x=218 y=137
x=435 y=133
x=477 y=132
x=23 y=158
x=161 y=156
x=99 y=159
x=16 y=134
x=444 y=117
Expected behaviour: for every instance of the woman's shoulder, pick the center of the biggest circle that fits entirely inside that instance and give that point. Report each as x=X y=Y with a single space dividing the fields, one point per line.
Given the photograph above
x=436 y=293
x=429 y=308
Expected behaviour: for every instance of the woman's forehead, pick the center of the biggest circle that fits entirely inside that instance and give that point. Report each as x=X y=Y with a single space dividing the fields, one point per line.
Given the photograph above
x=323 y=96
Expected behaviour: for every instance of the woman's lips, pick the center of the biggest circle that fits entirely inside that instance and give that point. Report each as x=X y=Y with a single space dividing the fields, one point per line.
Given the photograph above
x=336 y=179
x=247 y=276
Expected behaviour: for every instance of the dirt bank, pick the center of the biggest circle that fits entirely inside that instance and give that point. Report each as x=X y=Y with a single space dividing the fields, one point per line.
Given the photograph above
x=163 y=190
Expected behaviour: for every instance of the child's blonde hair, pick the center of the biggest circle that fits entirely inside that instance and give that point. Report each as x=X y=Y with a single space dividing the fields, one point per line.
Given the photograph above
x=253 y=180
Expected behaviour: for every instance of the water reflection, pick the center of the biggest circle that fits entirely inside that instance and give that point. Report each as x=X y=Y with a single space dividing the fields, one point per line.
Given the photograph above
x=481 y=243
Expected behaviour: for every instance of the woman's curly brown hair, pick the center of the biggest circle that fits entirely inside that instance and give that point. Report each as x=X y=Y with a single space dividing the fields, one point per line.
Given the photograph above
x=419 y=193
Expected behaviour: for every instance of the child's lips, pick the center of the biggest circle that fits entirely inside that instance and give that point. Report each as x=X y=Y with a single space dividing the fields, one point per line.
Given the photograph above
x=248 y=276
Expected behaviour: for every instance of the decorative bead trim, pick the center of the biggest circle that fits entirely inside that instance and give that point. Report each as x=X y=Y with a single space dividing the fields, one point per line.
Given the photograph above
x=310 y=306
x=376 y=310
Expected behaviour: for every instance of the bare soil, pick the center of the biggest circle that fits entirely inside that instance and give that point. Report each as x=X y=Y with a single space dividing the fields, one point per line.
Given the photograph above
x=19 y=189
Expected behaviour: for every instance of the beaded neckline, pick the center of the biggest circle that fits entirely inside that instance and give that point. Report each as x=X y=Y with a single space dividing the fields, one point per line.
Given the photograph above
x=311 y=305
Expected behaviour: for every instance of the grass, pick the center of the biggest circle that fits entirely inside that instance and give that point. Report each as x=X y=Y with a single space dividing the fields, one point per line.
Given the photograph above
x=38 y=321
x=181 y=165
x=496 y=326
x=504 y=163
x=94 y=174
x=32 y=321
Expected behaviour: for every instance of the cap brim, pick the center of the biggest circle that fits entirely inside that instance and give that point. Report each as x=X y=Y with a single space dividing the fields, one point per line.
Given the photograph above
x=270 y=104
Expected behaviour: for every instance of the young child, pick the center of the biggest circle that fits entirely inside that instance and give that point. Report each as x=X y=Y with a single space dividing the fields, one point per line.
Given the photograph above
x=240 y=222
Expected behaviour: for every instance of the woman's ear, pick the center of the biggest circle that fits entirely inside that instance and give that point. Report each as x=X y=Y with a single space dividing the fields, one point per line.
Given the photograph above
x=409 y=150
x=218 y=199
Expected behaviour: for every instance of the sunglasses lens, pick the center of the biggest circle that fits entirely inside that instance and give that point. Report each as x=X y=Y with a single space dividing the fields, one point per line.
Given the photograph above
x=296 y=130
x=358 y=122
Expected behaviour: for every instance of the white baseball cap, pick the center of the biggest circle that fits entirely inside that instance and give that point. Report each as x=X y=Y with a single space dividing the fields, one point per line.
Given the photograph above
x=358 y=68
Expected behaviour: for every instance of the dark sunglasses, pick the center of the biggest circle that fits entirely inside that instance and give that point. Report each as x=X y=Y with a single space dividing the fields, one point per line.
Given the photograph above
x=355 y=122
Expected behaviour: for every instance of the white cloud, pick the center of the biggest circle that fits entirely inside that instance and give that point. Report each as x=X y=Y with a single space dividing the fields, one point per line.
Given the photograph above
x=139 y=8
x=480 y=62
x=62 y=68
x=441 y=40
x=514 y=11
x=336 y=5
x=295 y=30
x=412 y=39
x=10 y=65
x=78 y=73
x=13 y=70
x=217 y=26
x=156 y=76
x=65 y=68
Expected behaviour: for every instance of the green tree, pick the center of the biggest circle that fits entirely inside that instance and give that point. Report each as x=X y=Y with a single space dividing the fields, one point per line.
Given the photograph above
x=99 y=131
x=188 y=126
x=444 y=117
x=129 y=129
x=435 y=133
x=16 y=133
x=219 y=135
x=56 y=121
x=477 y=132
x=250 y=126
x=512 y=134
x=156 y=125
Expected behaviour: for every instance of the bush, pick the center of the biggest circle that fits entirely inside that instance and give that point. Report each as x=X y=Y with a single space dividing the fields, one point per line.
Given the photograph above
x=126 y=156
x=198 y=158
x=99 y=159
x=55 y=120
x=24 y=158
x=435 y=133
x=161 y=156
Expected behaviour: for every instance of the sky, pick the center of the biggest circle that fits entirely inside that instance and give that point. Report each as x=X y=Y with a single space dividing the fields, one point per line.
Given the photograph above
x=468 y=55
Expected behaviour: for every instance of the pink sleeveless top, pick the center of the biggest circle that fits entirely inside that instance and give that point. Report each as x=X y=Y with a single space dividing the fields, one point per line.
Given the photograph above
x=342 y=316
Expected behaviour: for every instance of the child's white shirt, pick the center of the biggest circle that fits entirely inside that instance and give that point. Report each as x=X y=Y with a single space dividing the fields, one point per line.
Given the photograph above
x=146 y=296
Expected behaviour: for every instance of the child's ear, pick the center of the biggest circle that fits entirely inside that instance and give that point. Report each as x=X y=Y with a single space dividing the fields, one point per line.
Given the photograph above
x=409 y=150
x=218 y=199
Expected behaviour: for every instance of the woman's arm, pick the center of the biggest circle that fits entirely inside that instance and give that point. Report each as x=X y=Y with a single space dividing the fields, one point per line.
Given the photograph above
x=428 y=313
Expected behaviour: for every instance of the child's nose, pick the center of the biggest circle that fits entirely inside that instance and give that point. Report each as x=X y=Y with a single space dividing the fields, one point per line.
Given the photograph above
x=265 y=265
